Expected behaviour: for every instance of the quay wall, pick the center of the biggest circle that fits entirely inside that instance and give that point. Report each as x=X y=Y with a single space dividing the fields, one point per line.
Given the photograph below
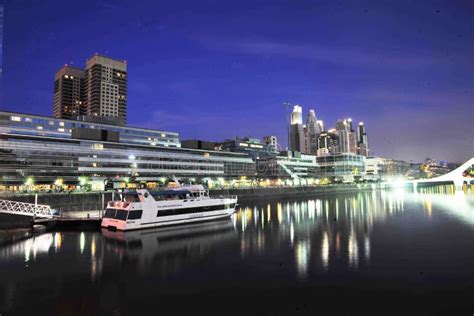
x=93 y=201
x=292 y=192
x=70 y=202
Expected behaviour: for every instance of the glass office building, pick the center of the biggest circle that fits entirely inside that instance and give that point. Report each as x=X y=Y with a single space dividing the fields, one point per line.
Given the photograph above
x=44 y=126
x=288 y=165
x=37 y=151
x=341 y=165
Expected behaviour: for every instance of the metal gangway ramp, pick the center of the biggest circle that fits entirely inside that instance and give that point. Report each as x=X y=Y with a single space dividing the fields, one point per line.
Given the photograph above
x=26 y=209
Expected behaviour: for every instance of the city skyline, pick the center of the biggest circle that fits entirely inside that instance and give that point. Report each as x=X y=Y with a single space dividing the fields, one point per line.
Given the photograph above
x=403 y=93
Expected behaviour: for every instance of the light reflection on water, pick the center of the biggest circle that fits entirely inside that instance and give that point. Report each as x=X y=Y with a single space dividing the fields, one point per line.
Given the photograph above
x=341 y=224
x=308 y=237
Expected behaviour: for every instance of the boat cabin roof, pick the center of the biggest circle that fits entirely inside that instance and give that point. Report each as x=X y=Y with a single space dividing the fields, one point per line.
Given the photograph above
x=169 y=192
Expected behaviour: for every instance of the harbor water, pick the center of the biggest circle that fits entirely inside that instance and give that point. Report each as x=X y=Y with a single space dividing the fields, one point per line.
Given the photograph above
x=369 y=252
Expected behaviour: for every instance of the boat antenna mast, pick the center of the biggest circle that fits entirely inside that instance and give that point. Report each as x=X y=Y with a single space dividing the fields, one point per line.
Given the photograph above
x=176 y=181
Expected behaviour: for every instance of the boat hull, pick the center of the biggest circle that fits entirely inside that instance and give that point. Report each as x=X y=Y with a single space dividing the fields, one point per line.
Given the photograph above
x=114 y=224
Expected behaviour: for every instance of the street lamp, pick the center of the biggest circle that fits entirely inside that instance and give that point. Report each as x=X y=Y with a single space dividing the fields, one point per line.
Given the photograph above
x=83 y=181
x=29 y=182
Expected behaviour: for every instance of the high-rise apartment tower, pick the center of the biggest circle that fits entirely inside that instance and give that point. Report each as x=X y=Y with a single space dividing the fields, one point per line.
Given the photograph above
x=106 y=88
x=69 y=93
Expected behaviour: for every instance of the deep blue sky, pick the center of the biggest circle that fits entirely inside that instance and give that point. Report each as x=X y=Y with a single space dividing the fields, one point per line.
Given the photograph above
x=217 y=69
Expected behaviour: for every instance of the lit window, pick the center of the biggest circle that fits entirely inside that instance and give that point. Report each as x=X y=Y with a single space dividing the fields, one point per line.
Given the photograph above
x=51 y=122
x=27 y=119
x=39 y=128
x=61 y=130
x=61 y=123
x=15 y=118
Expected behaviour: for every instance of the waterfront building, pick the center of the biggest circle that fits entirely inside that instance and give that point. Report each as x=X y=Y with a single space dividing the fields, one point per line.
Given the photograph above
x=48 y=152
x=106 y=88
x=271 y=142
x=375 y=167
x=328 y=144
x=431 y=168
x=198 y=144
x=45 y=126
x=341 y=167
x=69 y=93
x=288 y=165
x=297 y=135
x=362 y=143
x=312 y=132
x=397 y=167
x=385 y=169
x=252 y=146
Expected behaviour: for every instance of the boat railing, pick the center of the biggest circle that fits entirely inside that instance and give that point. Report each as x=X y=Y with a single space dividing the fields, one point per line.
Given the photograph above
x=224 y=196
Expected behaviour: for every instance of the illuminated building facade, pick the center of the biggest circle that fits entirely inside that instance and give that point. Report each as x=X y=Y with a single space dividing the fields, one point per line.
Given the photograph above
x=271 y=142
x=297 y=134
x=347 y=136
x=44 y=150
x=312 y=132
x=69 y=93
x=98 y=91
x=293 y=165
x=362 y=142
x=252 y=146
x=106 y=88
x=341 y=165
x=328 y=144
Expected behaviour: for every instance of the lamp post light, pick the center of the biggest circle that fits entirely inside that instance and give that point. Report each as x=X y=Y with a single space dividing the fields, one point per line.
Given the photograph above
x=29 y=183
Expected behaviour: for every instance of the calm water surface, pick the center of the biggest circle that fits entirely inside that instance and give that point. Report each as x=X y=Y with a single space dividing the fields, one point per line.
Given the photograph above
x=378 y=252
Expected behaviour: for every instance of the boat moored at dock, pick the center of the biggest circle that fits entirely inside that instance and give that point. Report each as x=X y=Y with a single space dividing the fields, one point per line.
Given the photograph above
x=144 y=209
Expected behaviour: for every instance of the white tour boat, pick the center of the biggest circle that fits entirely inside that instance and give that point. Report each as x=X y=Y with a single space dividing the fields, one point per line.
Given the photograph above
x=143 y=209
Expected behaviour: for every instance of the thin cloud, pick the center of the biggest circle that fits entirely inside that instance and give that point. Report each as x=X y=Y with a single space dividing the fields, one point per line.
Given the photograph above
x=336 y=55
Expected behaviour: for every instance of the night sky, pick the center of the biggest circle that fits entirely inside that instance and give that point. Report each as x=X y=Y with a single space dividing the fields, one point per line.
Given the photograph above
x=219 y=69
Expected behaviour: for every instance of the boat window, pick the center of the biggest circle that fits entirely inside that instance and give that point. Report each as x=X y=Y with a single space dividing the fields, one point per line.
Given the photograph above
x=132 y=197
x=135 y=214
x=190 y=210
x=109 y=213
x=121 y=214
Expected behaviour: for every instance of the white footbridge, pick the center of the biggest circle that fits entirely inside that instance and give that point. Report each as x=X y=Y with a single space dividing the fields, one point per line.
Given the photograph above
x=457 y=176
x=25 y=209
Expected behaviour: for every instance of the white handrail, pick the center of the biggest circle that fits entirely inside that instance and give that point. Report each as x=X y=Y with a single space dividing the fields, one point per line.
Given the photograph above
x=28 y=209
